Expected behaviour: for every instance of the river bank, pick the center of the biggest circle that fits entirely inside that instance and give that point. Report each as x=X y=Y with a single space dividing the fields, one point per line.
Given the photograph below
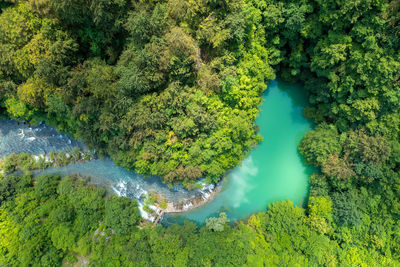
x=209 y=193
x=59 y=162
x=273 y=171
x=176 y=199
x=48 y=151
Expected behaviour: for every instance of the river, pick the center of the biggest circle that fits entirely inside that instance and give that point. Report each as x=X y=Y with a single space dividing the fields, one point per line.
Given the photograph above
x=273 y=171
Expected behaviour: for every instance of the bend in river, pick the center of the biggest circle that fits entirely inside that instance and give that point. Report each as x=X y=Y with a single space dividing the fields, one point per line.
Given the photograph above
x=273 y=171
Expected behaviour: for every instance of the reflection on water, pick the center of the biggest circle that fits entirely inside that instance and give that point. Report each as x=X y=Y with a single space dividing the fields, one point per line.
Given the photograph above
x=274 y=170
x=242 y=181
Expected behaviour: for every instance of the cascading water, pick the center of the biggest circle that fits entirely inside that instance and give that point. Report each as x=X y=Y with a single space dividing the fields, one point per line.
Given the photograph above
x=128 y=189
x=17 y=137
x=273 y=171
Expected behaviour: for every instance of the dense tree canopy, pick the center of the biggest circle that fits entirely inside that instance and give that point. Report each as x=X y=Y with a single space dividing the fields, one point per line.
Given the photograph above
x=77 y=223
x=121 y=214
x=171 y=88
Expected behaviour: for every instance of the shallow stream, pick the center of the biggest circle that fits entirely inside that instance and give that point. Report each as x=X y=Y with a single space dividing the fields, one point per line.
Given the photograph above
x=273 y=171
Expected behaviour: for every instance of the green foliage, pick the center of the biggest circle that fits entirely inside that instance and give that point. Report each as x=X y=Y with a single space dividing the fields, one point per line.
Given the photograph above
x=11 y=185
x=165 y=88
x=171 y=88
x=18 y=109
x=62 y=237
x=318 y=144
x=21 y=161
x=46 y=186
x=27 y=162
x=217 y=224
x=43 y=232
x=121 y=214
x=364 y=148
x=51 y=232
x=319 y=206
x=150 y=199
x=347 y=211
x=163 y=205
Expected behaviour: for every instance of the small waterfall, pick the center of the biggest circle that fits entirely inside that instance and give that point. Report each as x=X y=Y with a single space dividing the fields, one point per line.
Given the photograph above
x=40 y=140
x=125 y=188
x=120 y=188
x=207 y=190
x=145 y=215
x=187 y=206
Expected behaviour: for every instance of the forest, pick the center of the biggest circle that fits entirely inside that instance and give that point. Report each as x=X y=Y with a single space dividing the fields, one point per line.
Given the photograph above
x=48 y=221
x=172 y=88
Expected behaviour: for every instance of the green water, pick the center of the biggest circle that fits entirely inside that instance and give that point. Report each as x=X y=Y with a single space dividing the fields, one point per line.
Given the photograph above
x=274 y=170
